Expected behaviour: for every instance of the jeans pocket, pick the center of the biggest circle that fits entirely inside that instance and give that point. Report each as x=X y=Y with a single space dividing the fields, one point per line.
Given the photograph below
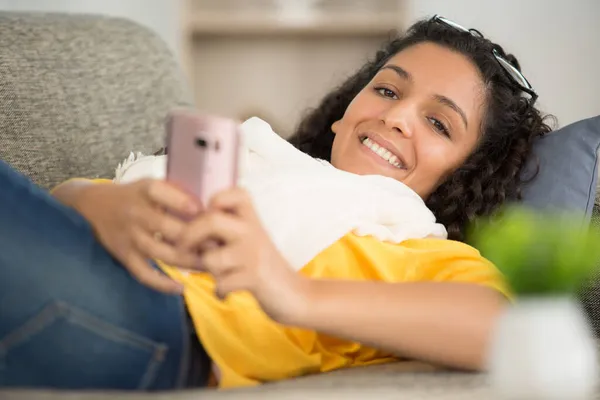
x=66 y=347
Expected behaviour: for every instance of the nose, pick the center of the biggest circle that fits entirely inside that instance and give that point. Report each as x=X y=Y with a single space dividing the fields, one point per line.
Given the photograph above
x=397 y=118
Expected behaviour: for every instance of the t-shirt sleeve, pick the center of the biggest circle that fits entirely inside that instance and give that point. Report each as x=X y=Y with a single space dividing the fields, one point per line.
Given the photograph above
x=450 y=261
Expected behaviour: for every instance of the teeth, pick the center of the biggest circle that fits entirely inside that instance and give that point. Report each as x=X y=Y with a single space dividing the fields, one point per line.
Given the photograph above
x=382 y=152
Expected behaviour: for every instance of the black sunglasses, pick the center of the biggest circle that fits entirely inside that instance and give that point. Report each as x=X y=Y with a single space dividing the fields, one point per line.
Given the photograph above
x=513 y=73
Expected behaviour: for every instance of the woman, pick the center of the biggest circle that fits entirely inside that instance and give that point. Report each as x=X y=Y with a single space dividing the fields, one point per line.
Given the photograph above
x=444 y=110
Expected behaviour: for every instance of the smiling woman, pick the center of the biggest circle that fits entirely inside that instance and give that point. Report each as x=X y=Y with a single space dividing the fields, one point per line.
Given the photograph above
x=449 y=105
x=415 y=108
x=443 y=112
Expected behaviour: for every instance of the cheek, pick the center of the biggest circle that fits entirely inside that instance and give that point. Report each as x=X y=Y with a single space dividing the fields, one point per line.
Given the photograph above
x=439 y=159
x=336 y=149
x=356 y=113
x=365 y=106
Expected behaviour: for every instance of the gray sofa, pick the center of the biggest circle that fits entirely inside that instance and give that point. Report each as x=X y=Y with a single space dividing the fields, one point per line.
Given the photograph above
x=77 y=93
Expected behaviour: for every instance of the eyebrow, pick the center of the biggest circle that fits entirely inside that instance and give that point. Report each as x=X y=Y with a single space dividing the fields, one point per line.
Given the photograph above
x=446 y=101
x=451 y=104
x=400 y=71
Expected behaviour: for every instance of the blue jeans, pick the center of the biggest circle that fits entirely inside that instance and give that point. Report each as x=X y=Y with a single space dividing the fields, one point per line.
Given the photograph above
x=71 y=316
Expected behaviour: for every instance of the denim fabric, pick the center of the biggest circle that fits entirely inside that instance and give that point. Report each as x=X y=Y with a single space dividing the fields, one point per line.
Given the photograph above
x=70 y=315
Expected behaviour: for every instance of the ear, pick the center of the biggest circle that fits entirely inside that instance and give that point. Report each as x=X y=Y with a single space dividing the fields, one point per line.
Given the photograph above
x=335 y=126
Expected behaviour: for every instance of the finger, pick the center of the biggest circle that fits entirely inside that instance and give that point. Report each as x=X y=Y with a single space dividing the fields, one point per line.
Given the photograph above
x=148 y=276
x=236 y=200
x=221 y=260
x=155 y=249
x=154 y=221
x=166 y=195
x=217 y=226
x=234 y=281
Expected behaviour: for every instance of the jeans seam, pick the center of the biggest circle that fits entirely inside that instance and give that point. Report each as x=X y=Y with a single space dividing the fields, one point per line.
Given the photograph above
x=59 y=309
x=159 y=355
x=111 y=332
x=32 y=326
x=105 y=329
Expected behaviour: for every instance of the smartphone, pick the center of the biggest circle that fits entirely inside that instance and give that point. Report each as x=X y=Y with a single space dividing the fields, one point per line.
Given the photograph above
x=202 y=153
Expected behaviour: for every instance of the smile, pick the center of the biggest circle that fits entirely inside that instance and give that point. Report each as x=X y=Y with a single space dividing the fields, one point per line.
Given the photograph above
x=382 y=152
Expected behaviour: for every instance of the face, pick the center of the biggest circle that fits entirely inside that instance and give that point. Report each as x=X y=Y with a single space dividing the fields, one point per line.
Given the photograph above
x=417 y=120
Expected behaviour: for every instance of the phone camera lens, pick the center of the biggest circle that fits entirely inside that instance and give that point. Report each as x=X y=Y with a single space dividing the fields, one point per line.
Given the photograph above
x=201 y=142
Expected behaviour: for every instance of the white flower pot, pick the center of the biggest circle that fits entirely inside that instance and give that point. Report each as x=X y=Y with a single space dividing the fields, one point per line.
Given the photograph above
x=543 y=349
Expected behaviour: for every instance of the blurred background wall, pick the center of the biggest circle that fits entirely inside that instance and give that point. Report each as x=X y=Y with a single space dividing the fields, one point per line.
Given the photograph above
x=275 y=59
x=245 y=57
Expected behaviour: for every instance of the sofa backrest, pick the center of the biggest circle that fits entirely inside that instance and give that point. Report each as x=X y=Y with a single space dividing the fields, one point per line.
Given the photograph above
x=79 y=92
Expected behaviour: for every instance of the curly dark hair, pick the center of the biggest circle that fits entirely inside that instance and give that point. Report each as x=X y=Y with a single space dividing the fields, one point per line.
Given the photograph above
x=493 y=172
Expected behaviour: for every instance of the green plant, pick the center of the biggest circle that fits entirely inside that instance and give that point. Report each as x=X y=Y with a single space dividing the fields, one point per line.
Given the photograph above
x=539 y=253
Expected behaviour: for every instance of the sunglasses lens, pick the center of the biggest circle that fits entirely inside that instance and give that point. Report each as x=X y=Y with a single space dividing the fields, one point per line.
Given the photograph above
x=451 y=24
x=514 y=73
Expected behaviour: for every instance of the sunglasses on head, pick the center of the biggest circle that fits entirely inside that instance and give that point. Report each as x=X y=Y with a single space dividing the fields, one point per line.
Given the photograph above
x=513 y=73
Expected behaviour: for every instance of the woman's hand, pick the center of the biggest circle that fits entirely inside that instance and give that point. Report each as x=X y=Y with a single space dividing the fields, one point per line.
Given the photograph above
x=245 y=257
x=132 y=222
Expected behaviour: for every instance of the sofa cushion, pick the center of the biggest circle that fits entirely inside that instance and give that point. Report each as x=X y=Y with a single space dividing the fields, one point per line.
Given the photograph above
x=567 y=180
x=568 y=169
x=78 y=93
x=590 y=293
x=391 y=381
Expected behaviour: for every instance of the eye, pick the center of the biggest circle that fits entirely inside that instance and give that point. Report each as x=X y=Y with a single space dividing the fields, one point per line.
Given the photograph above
x=439 y=126
x=385 y=92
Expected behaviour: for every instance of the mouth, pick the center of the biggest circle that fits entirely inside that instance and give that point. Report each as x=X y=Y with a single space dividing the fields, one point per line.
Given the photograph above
x=385 y=151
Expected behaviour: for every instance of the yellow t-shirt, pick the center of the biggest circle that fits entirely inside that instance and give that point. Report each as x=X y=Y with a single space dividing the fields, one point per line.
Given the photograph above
x=249 y=348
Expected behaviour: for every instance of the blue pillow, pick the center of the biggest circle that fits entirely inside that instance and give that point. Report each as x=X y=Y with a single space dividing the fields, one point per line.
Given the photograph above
x=568 y=174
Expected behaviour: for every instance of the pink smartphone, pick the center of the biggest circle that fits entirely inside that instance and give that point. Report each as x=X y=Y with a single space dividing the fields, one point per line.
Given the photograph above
x=202 y=153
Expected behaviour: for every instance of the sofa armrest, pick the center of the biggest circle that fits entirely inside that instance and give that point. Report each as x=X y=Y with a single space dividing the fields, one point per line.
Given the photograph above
x=79 y=92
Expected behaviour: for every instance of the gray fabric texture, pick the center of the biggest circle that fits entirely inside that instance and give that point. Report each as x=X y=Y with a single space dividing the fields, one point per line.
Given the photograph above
x=78 y=93
x=378 y=382
x=590 y=294
x=568 y=169
x=567 y=180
